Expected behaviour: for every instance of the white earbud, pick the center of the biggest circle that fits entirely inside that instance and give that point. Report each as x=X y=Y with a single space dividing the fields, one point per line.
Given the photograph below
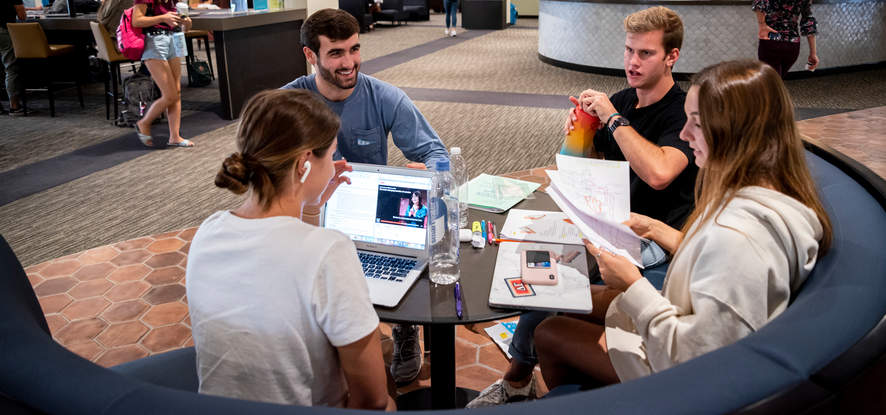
x=307 y=170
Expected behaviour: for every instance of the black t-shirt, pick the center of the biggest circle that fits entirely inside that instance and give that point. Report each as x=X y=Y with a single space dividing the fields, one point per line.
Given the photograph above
x=7 y=11
x=659 y=123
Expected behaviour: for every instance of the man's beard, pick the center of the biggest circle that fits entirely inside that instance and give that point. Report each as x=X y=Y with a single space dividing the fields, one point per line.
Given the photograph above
x=329 y=76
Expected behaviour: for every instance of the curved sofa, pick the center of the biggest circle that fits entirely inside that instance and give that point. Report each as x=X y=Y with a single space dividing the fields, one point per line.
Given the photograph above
x=822 y=355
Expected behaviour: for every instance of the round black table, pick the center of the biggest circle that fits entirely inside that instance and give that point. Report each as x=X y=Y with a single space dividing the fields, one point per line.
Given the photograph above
x=433 y=306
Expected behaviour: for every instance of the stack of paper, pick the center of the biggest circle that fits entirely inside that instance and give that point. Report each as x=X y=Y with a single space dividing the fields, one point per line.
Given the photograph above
x=595 y=194
x=497 y=194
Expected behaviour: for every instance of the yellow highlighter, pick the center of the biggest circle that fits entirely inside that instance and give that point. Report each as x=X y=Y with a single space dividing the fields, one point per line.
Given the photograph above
x=477 y=240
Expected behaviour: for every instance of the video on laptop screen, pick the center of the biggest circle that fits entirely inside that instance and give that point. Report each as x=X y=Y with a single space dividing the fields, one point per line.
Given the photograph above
x=381 y=208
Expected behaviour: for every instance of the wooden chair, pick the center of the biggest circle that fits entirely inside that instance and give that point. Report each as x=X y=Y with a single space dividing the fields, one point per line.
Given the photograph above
x=107 y=52
x=199 y=35
x=31 y=47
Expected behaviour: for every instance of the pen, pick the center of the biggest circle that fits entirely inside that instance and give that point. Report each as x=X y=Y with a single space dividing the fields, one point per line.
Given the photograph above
x=458 y=300
x=489 y=235
x=494 y=232
x=498 y=240
x=483 y=229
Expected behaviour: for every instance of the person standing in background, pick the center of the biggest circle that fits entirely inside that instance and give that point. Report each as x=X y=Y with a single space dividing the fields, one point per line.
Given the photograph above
x=161 y=25
x=9 y=11
x=451 y=7
x=779 y=36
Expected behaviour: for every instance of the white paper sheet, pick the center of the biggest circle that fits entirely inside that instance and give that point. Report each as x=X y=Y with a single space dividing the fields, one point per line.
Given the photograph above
x=600 y=188
x=611 y=235
x=502 y=334
x=540 y=226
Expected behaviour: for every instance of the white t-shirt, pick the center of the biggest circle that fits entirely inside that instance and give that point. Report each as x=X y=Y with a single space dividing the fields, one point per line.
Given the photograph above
x=270 y=299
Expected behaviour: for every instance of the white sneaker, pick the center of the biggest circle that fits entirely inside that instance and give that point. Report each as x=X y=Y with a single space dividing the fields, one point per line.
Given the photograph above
x=501 y=392
x=452 y=33
x=447 y=32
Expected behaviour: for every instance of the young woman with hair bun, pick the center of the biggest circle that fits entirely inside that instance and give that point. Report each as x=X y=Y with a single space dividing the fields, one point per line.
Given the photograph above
x=280 y=310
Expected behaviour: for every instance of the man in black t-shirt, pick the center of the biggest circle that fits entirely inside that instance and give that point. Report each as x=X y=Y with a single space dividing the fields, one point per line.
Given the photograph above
x=9 y=11
x=643 y=123
x=642 y=126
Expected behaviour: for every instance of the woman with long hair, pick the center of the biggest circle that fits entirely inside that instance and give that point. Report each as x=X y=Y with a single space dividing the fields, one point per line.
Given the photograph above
x=756 y=232
x=165 y=41
x=417 y=208
x=280 y=308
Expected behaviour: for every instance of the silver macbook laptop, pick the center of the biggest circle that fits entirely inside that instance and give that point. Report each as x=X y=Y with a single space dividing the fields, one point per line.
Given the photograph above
x=385 y=212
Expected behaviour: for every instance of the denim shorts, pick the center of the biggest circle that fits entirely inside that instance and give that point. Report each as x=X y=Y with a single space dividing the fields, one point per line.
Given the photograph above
x=159 y=46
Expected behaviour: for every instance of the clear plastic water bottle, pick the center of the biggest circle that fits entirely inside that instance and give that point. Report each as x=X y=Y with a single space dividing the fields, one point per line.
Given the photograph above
x=444 y=227
x=461 y=177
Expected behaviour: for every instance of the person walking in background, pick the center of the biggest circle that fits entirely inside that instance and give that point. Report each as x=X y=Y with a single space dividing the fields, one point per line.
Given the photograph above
x=164 y=46
x=781 y=23
x=9 y=11
x=451 y=19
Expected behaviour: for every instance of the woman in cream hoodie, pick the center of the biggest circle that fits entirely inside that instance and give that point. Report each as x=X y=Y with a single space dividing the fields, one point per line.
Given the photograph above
x=756 y=233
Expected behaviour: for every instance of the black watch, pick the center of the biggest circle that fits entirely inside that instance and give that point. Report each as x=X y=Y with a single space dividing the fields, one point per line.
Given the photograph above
x=618 y=122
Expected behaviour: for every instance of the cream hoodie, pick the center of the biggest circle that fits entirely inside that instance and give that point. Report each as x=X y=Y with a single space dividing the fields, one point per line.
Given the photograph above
x=734 y=275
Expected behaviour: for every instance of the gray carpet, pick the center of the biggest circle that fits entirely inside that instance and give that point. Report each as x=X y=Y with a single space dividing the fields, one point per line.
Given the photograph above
x=486 y=92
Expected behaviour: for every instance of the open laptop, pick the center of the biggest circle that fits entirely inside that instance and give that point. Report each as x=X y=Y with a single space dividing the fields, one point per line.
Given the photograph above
x=376 y=212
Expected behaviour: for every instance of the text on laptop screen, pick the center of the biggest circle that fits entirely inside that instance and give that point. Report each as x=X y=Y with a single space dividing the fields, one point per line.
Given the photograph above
x=381 y=208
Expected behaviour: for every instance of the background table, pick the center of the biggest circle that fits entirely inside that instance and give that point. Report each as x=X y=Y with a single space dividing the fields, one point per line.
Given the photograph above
x=255 y=50
x=433 y=306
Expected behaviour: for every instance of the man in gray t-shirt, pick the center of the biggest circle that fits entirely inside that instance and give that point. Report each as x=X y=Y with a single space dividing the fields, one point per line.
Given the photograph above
x=369 y=109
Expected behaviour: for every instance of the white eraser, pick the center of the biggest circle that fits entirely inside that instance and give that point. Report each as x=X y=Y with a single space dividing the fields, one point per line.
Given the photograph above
x=464 y=235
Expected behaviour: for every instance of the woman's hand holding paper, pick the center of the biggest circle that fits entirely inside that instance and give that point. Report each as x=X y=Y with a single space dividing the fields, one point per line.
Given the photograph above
x=617 y=271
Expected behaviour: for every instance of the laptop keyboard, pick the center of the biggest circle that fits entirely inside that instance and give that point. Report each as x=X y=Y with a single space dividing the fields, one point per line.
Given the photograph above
x=385 y=267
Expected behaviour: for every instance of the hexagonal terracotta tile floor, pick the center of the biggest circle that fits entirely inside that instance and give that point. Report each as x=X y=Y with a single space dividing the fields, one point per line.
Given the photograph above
x=118 y=302
x=125 y=301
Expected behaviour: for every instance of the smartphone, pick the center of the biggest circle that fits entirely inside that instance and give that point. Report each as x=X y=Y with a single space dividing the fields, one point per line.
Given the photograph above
x=537 y=268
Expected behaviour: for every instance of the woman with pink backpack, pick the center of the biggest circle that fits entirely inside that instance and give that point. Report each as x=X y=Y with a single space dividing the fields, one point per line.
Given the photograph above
x=164 y=32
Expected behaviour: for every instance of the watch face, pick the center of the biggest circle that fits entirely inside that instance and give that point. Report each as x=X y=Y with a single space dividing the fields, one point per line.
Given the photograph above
x=618 y=122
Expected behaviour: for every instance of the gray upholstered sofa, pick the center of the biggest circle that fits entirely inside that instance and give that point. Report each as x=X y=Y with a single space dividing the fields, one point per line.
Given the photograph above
x=825 y=354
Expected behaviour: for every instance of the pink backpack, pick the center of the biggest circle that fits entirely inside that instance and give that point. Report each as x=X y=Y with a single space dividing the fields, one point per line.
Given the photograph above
x=130 y=39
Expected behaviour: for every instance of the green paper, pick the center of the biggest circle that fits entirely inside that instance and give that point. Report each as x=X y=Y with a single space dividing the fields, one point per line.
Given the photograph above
x=496 y=193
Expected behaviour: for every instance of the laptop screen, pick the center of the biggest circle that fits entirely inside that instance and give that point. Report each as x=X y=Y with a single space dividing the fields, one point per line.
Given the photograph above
x=381 y=208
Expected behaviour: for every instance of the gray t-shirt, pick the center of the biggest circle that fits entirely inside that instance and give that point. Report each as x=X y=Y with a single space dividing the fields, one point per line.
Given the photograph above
x=270 y=299
x=373 y=110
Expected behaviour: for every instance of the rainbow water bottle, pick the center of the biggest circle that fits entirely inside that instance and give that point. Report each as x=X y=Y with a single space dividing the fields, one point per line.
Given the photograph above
x=579 y=141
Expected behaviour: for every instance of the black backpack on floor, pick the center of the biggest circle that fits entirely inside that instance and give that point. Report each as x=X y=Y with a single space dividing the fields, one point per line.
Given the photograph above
x=198 y=73
x=139 y=92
